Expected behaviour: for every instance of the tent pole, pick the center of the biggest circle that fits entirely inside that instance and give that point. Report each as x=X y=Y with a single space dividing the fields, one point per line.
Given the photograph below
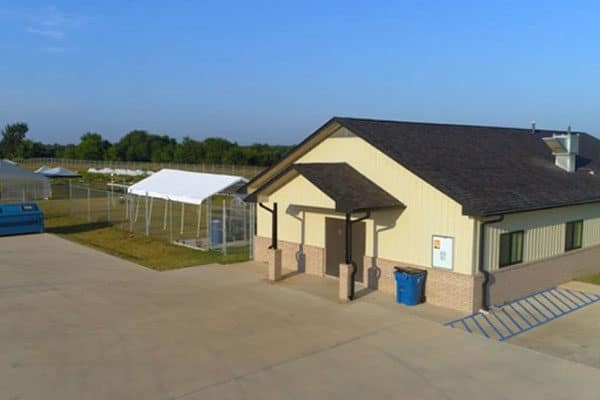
x=182 y=217
x=165 y=217
x=146 y=213
x=199 y=219
x=170 y=204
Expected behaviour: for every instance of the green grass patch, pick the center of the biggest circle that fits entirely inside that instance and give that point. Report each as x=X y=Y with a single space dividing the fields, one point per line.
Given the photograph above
x=152 y=253
x=595 y=279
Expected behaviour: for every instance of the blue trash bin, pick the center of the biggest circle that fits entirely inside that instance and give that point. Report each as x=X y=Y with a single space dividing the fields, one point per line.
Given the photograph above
x=409 y=285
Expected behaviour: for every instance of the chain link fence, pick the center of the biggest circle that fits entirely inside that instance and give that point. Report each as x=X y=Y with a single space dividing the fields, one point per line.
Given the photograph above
x=247 y=171
x=220 y=223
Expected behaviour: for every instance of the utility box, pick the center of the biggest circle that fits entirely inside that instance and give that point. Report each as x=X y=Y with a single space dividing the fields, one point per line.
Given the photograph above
x=19 y=219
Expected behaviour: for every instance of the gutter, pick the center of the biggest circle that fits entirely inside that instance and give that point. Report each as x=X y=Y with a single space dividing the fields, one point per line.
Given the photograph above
x=348 y=254
x=485 y=303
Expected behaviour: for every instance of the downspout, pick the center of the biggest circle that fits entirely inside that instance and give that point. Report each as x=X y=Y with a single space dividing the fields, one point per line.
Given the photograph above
x=348 y=253
x=273 y=212
x=485 y=303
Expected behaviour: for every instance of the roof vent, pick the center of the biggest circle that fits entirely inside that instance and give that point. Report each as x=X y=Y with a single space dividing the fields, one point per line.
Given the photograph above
x=565 y=147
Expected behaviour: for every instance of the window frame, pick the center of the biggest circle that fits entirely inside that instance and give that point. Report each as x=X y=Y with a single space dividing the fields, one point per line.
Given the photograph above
x=511 y=235
x=569 y=246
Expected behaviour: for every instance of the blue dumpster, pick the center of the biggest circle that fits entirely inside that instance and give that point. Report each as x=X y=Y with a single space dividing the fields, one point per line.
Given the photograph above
x=216 y=232
x=409 y=285
x=18 y=219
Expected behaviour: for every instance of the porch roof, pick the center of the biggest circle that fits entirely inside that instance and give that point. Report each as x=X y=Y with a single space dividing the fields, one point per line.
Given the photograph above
x=349 y=189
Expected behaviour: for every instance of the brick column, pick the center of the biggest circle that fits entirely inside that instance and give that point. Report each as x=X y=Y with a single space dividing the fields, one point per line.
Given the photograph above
x=344 y=282
x=274 y=258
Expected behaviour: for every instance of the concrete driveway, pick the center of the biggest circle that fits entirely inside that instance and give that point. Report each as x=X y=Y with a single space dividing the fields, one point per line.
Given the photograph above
x=79 y=324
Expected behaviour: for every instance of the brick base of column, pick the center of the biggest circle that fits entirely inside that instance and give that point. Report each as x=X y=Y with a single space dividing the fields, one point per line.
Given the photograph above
x=274 y=260
x=344 y=282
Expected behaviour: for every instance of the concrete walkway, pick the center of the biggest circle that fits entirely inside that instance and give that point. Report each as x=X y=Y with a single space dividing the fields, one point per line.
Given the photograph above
x=79 y=324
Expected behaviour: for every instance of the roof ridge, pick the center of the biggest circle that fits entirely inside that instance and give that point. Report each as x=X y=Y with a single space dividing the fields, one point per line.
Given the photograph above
x=341 y=119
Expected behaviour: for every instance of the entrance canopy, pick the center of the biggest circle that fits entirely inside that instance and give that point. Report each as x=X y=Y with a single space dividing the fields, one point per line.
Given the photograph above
x=349 y=189
x=184 y=186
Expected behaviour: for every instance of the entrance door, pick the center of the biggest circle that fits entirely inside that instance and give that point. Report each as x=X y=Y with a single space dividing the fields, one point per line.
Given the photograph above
x=335 y=250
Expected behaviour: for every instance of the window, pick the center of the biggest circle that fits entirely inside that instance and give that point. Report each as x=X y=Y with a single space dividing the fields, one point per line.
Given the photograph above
x=573 y=235
x=511 y=248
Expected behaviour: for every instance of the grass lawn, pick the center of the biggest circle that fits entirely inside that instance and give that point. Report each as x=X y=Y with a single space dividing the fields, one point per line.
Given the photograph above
x=595 y=279
x=152 y=253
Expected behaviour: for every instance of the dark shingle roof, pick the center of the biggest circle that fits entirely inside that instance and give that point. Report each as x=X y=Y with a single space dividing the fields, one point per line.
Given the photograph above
x=488 y=170
x=350 y=190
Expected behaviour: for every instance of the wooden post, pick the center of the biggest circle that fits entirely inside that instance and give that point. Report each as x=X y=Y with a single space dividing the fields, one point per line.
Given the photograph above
x=251 y=231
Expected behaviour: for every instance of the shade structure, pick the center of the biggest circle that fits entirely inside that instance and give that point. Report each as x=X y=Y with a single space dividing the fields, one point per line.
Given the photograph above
x=17 y=183
x=184 y=186
x=57 y=172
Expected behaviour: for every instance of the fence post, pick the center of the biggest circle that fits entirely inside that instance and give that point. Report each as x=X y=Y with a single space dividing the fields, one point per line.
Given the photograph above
x=224 y=227
x=131 y=214
x=70 y=198
x=109 y=205
x=89 y=205
x=208 y=222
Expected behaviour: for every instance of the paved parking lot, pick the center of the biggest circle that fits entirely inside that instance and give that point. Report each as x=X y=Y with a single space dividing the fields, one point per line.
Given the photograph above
x=78 y=324
x=574 y=337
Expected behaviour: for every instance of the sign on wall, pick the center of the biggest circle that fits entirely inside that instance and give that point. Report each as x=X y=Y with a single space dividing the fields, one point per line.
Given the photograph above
x=442 y=252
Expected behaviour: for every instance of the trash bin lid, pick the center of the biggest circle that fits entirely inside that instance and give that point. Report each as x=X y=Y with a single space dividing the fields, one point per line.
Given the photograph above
x=409 y=270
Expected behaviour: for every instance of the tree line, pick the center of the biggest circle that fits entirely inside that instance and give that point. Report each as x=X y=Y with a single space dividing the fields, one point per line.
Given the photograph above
x=140 y=145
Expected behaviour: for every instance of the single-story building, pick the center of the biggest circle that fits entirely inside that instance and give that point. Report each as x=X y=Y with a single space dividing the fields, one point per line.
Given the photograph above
x=490 y=213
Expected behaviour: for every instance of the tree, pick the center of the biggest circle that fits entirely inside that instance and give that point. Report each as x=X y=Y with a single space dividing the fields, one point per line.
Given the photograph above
x=133 y=147
x=69 y=152
x=92 y=147
x=215 y=149
x=13 y=140
x=189 y=151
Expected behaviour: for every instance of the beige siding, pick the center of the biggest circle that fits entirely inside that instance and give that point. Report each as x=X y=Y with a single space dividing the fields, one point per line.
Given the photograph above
x=544 y=232
x=401 y=235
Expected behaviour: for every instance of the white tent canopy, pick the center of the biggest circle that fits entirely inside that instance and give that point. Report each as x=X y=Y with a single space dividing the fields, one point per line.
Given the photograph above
x=184 y=186
x=17 y=183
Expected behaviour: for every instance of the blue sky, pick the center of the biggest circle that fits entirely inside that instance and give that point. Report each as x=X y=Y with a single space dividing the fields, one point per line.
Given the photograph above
x=258 y=71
